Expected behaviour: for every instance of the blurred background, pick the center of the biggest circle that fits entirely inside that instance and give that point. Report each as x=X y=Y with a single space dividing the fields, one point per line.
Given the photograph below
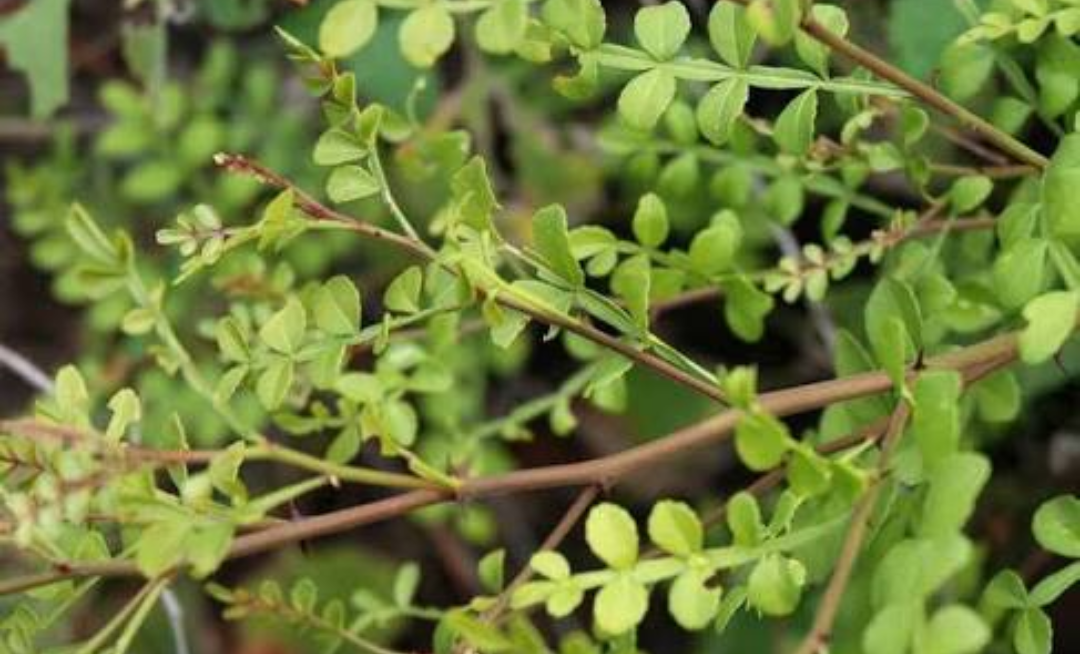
x=127 y=101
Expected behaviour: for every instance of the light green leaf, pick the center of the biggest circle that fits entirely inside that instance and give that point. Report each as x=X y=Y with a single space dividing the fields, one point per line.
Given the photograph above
x=632 y=283
x=650 y=223
x=662 y=29
x=1062 y=178
x=794 y=130
x=935 y=422
x=714 y=248
x=581 y=21
x=474 y=195
x=348 y=183
x=955 y=629
x=274 y=382
x=955 y=485
x=720 y=108
x=620 y=605
x=745 y=308
x=348 y=26
x=691 y=602
x=284 y=331
x=491 y=571
x=552 y=241
x=337 y=146
x=761 y=441
x=1033 y=632
x=775 y=585
x=891 y=629
x=1020 y=272
x=675 y=528
x=34 y=40
x=1051 y=319
x=775 y=20
x=731 y=34
x=744 y=519
x=1056 y=525
x=646 y=98
x=337 y=307
x=426 y=34
x=501 y=28
x=403 y=293
x=1052 y=586
x=814 y=53
x=551 y=565
x=612 y=535
x=969 y=192
x=126 y=410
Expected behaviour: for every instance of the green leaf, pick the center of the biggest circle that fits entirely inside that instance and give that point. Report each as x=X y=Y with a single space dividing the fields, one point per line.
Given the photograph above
x=650 y=223
x=348 y=183
x=501 y=28
x=646 y=98
x=676 y=528
x=34 y=41
x=965 y=67
x=1020 y=272
x=891 y=629
x=917 y=42
x=714 y=248
x=969 y=192
x=775 y=585
x=274 y=382
x=775 y=20
x=761 y=441
x=491 y=571
x=1062 y=178
x=1051 y=319
x=955 y=485
x=474 y=195
x=662 y=29
x=160 y=547
x=691 y=602
x=720 y=108
x=744 y=519
x=86 y=233
x=1056 y=70
x=478 y=633
x=581 y=21
x=284 y=331
x=1033 y=632
x=632 y=282
x=612 y=535
x=1006 y=590
x=955 y=629
x=337 y=307
x=426 y=34
x=406 y=582
x=399 y=422
x=620 y=604
x=551 y=565
x=814 y=53
x=935 y=422
x=337 y=146
x=552 y=241
x=893 y=299
x=1052 y=586
x=731 y=34
x=794 y=130
x=1056 y=525
x=126 y=410
x=745 y=308
x=348 y=26
x=403 y=293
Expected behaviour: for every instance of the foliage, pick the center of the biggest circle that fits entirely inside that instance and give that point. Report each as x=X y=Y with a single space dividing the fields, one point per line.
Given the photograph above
x=747 y=167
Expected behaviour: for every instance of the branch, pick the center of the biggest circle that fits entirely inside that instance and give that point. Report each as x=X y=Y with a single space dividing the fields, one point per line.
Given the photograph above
x=924 y=92
x=972 y=362
x=316 y=210
x=819 y=634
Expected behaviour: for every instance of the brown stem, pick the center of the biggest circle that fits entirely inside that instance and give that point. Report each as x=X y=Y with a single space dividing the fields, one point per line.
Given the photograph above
x=318 y=211
x=972 y=361
x=818 y=638
x=927 y=94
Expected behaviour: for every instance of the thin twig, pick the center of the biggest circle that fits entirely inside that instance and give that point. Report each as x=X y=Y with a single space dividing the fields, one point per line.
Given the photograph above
x=927 y=94
x=819 y=635
x=25 y=369
x=979 y=359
